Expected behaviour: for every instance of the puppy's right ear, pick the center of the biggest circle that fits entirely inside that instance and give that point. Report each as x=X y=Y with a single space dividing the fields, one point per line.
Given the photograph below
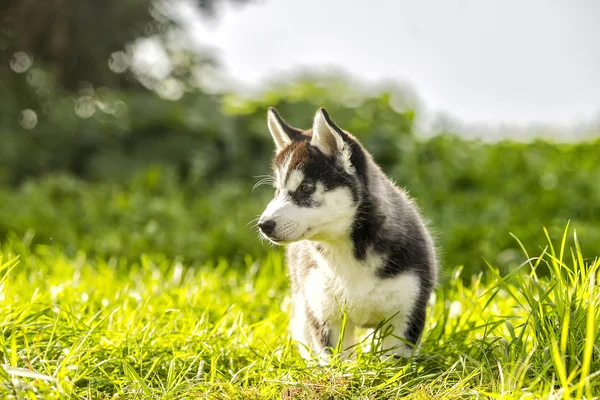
x=282 y=133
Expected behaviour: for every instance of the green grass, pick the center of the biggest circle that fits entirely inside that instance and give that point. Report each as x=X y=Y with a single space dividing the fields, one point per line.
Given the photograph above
x=94 y=328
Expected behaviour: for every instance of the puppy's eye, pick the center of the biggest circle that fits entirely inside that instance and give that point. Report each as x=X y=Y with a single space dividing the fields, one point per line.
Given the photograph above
x=307 y=188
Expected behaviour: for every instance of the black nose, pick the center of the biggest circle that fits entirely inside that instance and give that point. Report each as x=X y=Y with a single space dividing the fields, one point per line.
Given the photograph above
x=267 y=227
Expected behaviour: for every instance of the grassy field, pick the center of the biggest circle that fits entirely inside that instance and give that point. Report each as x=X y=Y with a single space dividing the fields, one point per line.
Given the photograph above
x=114 y=201
x=94 y=328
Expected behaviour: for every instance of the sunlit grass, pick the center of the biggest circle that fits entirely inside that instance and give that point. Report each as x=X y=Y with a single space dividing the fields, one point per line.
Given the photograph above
x=101 y=328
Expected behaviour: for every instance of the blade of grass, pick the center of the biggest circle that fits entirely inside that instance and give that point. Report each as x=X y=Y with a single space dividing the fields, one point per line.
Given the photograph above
x=590 y=333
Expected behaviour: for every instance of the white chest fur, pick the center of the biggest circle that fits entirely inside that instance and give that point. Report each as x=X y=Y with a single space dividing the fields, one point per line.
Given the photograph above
x=340 y=282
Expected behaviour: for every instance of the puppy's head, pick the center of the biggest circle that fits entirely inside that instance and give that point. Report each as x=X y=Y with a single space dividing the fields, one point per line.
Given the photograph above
x=316 y=185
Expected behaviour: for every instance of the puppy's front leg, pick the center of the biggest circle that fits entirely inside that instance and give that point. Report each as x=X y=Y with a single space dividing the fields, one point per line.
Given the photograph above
x=327 y=336
x=348 y=341
x=397 y=344
x=322 y=336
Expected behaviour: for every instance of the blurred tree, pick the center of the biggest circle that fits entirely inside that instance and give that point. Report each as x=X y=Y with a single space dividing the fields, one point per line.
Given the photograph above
x=75 y=39
x=63 y=60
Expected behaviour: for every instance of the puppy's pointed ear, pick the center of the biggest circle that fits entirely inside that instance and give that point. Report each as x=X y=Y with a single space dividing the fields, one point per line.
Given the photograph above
x=326 y=135
x=282 y=133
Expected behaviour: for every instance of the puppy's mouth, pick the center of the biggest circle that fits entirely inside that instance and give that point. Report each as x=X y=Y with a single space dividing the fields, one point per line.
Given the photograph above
x=285 y=241
x=279 y=242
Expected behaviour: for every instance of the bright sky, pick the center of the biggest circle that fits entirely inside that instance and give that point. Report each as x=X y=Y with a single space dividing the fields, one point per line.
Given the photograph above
x=482 y=61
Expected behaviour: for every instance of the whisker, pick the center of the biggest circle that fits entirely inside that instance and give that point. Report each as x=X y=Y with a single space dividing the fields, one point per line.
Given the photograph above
x=257 y=184
x=264 y=176
x=253 y=220
x=263 y=182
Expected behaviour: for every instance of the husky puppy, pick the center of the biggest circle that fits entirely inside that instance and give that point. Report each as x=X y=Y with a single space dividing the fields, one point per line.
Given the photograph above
x=356 y=242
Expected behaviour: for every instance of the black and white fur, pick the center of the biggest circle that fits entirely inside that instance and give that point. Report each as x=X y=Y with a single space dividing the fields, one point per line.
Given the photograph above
x=356 y=242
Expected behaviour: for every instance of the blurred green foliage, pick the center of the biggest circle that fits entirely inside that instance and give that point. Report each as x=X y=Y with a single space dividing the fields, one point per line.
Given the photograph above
x=85 y=40
x=143 y=174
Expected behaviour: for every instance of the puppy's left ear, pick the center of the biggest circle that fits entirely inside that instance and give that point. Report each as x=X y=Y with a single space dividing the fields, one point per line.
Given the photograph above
x=282 y=133
x=326 y=135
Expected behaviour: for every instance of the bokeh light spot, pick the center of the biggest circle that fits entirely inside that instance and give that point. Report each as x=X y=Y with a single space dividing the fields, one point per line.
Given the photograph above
x=85 y=107
x=118 y=62
x=20 y=62
x=28 y=119
x=170 y=89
